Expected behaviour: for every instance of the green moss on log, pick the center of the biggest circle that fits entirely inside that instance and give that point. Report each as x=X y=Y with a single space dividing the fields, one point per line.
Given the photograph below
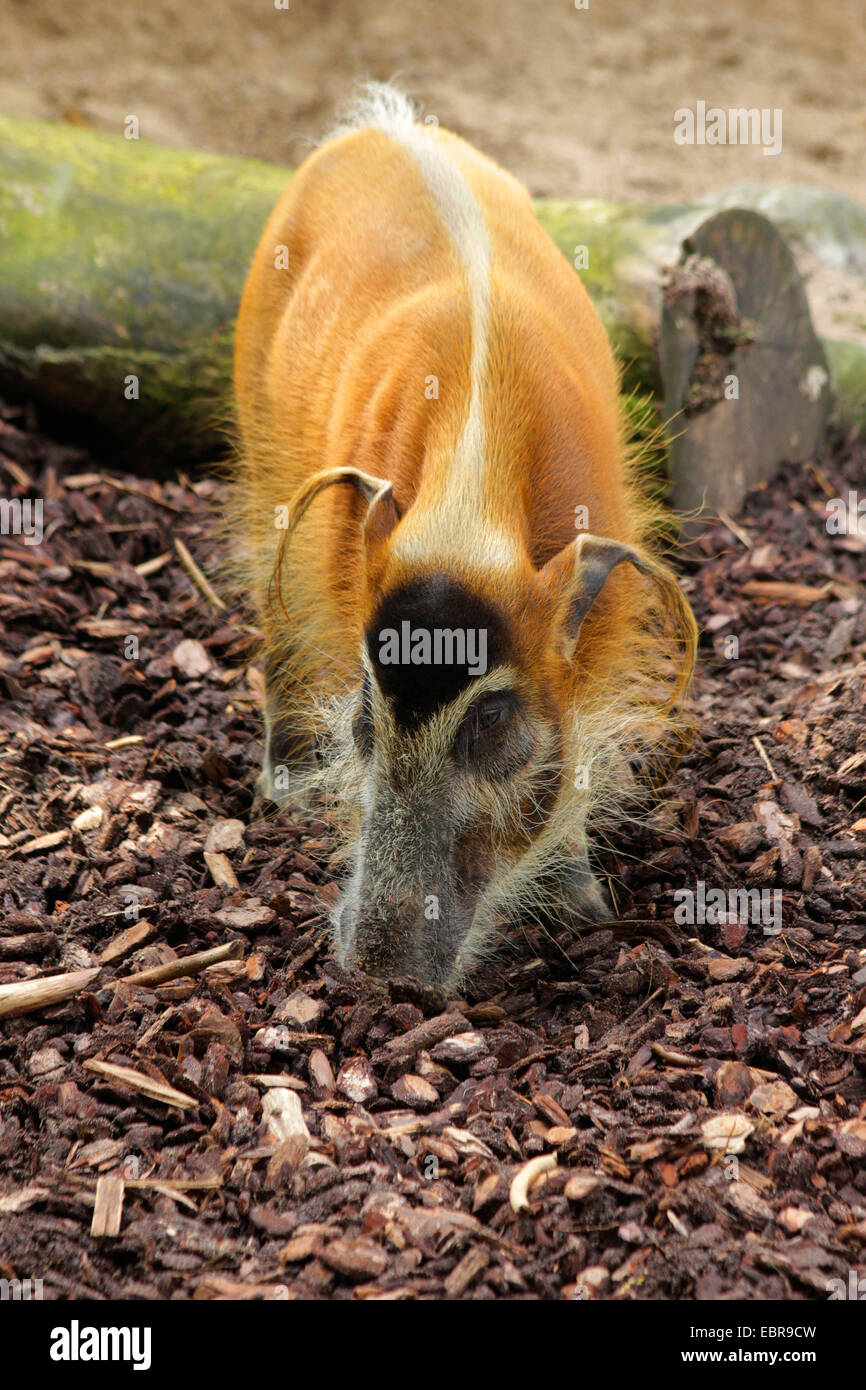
x=121 y=258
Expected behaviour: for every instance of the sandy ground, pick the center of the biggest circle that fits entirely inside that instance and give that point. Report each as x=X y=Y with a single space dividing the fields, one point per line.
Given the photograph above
x=577 y=103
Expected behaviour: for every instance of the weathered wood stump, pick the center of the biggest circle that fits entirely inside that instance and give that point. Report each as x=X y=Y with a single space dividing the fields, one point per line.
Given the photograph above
x=745 y=376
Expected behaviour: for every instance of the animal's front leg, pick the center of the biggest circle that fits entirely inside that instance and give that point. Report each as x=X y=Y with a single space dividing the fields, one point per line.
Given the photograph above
x=289 y=751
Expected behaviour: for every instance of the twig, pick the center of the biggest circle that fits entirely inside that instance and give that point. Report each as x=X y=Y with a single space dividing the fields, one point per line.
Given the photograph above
x=138 y=1081
x=177 y=1184
x=156 y=1027
x=195 y=574
x=187 y=965
x=736 y=530
x=140 y=492
x=17 y=472
x=824 y=484
x=645 y=1005
x=153 y=566
x=764 y=756
x=25 y=996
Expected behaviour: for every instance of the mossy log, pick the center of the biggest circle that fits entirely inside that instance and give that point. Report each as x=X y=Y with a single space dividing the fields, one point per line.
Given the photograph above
x=122 y=260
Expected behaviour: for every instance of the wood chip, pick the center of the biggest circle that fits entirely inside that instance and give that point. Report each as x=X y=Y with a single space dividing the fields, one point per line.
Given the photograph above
x=793 y=1219
x=282 y=1113
x=355 y=1259
x=525 y=1177
x=670 y=1057
x=357 y=1082
x=221 y=871
x=425 y=1036
x=773 y=1099
x=747 y=1204
x=727 y=1132
x=461 y=1048
x=108 y=1207
x=191 y=659
x=474 y=1261
x=415 y=1092
x=224 y=836
x=22 y=1199
x=321 y=1074
x=581 y=1185
x=138 y=1081
x=127 y=941
x=57 y=837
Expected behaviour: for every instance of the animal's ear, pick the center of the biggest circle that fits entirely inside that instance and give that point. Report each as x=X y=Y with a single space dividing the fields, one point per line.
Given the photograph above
x=577 y=574
x=382 y=514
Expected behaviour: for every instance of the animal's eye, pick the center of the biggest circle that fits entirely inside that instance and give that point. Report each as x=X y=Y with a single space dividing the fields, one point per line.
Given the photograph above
x=488 y=715
x=495 y=739
x=485 y=721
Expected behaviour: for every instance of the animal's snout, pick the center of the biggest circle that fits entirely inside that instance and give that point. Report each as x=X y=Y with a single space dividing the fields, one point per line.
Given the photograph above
x=380 y=943
x=386 y=941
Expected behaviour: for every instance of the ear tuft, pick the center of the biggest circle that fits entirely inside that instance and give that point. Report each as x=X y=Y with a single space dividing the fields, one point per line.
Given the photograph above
x=372 y=489
x=382 y=513
x=576 y=576
x=579 y=572
x=382 y=517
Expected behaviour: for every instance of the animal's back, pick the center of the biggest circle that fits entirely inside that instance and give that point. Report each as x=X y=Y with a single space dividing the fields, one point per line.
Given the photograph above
x=427 y=331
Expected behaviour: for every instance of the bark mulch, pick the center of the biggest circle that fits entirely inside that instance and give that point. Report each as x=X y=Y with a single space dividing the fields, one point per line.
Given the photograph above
x=291 y=1129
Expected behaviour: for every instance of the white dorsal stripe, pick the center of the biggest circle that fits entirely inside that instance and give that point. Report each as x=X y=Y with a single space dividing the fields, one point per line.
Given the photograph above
x=460 y=515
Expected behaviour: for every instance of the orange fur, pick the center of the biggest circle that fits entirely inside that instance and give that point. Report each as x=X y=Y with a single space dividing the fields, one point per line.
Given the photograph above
x=333 y=364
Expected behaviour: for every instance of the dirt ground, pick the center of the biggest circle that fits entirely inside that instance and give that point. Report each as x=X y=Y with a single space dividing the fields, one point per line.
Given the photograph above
x=577 y=103
x=699 y=1089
